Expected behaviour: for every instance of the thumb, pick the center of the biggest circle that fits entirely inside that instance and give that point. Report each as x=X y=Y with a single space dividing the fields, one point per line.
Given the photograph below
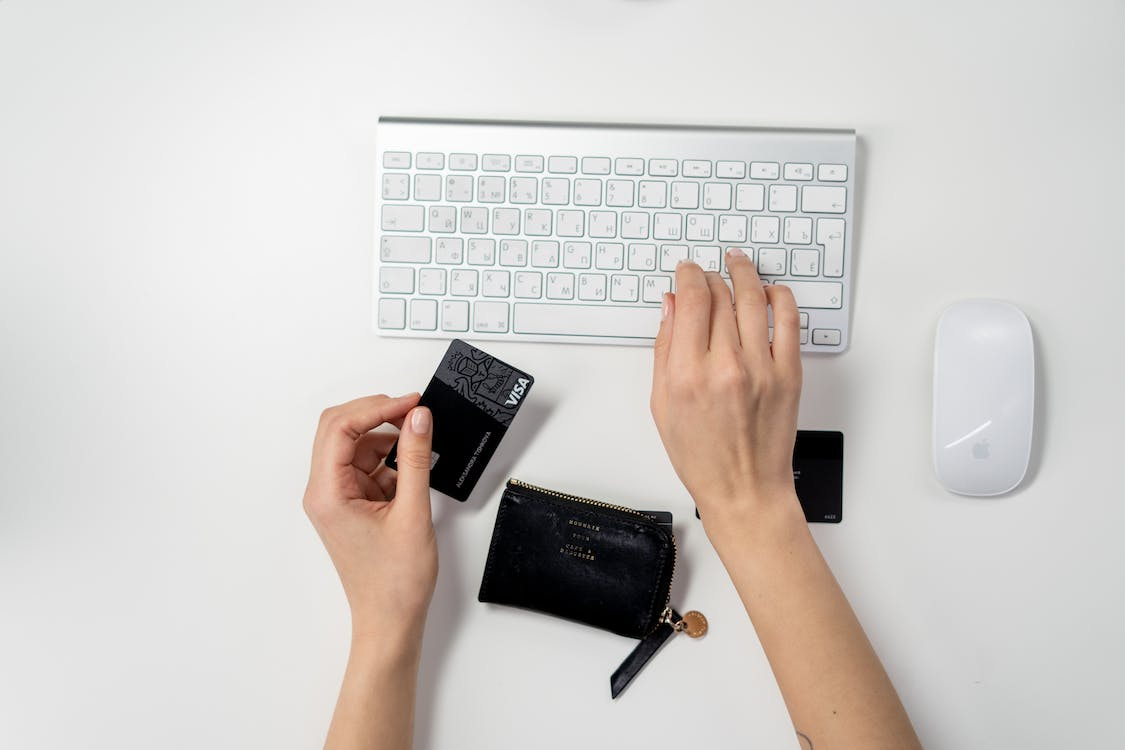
x=663 y=343
x=414 y=452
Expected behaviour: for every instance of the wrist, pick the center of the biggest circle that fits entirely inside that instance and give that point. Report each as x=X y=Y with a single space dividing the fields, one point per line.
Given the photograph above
x=388 y=643
x=750 y=521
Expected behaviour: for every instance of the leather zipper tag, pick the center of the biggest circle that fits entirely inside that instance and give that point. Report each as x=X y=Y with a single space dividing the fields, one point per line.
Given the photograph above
x=640 y=656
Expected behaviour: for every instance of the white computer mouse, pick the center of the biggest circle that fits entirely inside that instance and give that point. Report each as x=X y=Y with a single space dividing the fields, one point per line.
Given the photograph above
x=984 y=397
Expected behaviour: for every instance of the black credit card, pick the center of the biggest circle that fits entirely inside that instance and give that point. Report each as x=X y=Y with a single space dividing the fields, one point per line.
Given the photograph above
x=473 y=397
x=818 y=475
x=661 y=518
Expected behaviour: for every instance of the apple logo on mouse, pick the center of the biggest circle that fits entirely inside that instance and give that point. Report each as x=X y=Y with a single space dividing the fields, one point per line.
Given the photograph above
x=980 y=450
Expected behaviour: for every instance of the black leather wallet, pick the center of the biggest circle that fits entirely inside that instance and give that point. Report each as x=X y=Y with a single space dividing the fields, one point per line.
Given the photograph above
x=601 y=564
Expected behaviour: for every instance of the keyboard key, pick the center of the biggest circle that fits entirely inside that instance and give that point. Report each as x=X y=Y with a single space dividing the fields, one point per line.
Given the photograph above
x=670 y=255
x=652 y=194
x=459 y=188
x=587 y=192
x=624 y=288
x=423 y=314
x=576 y=255
x=494 y=283
x=706 y=257
x=591 y=287
x=392 y=313
x=654 y=288
x=597 y=321
x=463 y=282
x=443 y=219
x=482 y=252
x=716 y=196
x=496 y=163
x=821 y=199
x=830 y=233
x=595 y=165
x=529 y=285
x=685 y=195
x=562 y=165
x=732 y=228
x=750 y=198
x=695 y=168
x=826 y=336
x=491 y=189
x=667 y=227
x=603 y=224
x=632 y=167
x=463 y=162
x=448 y=250
x=609 y=256
x=764 y=170
x=798 y=172
x=427 y=187
x=513 y=252
x=700 y=228
x=537 y=222
x=804 y=320
x=394 y=249
x=474 y=220
x=731 y=169
x=642 y=257
x=556 y=191
x=396 y=186
x=619 y=193
x=570 y=223
x=490 y=317
x=560 y=286
x=430 y=160
x=505 y=221
x=634 y=225
x=771 y=261
x=454 y=315
x=396 y=280
x=403 y=218
x=817 y=294
x=431 y=281
x=396 y=160
x=523 y=190
x=764 y=229
x=663 y=167
x=783 y=198
x=798 y=230
x=806 y=262
x=545 y=254
x=526 y=163
x=832 y=173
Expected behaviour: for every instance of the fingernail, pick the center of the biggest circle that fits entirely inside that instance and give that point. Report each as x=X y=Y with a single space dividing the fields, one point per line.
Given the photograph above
x=736 y=252
x=420 y=421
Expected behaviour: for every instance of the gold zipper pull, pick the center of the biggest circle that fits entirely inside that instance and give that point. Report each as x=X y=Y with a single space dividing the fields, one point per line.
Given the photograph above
x=691 y=623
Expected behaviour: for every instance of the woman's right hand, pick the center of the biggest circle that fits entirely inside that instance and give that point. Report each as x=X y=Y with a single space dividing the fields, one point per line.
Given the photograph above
x=724 y=399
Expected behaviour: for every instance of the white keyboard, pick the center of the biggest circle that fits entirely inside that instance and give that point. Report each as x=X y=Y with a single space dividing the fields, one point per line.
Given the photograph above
x=545 y=232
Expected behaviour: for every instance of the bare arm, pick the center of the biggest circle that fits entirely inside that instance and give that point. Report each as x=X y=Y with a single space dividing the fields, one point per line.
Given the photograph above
x=376 y=525
x=725 y=402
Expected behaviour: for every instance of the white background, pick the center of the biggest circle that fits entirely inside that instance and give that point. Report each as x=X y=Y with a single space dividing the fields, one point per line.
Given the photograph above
x=186 y=197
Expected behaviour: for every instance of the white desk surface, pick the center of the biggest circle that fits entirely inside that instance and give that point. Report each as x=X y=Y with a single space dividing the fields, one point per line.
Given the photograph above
x=186 y=228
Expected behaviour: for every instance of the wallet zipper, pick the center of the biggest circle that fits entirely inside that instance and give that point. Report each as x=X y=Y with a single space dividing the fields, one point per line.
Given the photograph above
x=670 y=621
x=598 y=503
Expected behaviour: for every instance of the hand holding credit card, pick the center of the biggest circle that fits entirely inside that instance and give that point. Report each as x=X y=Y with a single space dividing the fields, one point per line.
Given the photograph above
x=473 y=397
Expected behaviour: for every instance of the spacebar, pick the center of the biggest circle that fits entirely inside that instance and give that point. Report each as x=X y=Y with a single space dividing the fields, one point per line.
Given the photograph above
x=586 y=320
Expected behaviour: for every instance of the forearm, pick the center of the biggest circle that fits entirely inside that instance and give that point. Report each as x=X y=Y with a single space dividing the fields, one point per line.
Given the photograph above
x=375 y=710
x=833 y=683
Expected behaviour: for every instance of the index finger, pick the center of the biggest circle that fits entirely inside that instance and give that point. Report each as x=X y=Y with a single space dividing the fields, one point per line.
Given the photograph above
x=341 y=426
